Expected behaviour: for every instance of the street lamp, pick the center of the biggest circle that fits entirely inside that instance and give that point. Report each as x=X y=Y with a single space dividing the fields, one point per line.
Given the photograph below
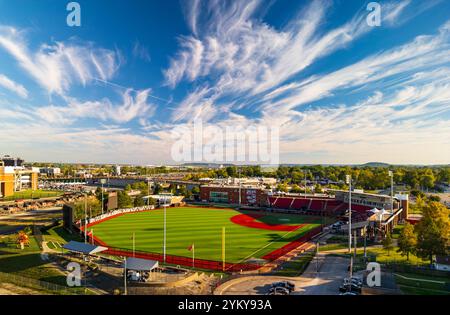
x=102 y=181
x=391 y=175
x=148 y=191
x=348 y=180
x=305 y=183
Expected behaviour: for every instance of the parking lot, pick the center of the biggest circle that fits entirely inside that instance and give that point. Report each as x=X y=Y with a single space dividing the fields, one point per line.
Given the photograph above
x=326 y=281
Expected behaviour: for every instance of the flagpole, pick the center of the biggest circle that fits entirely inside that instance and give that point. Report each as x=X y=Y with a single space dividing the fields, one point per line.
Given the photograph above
x=223 y=248
x=134 y=244
x=193 y=255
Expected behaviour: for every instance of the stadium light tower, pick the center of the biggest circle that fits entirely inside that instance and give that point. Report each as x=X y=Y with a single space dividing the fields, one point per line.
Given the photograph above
x=305 y=183
x=102 y=181
x=148 y=191
x=348 y=180
x=164 y=240
x=85 y=218
x=239 y=169
x=391 y=175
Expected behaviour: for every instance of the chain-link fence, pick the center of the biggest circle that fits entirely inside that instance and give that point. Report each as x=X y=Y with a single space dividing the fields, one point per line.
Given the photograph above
x=41 y=286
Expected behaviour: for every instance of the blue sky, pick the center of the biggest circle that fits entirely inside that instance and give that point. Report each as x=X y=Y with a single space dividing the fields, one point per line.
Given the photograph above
x=114 y=89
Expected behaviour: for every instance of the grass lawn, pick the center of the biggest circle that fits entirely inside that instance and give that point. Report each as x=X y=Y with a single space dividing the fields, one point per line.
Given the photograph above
x=27 y=262
x=412 y=284
x=203 y=227
x=296 y=266
x=58 y=234
x=30 y=194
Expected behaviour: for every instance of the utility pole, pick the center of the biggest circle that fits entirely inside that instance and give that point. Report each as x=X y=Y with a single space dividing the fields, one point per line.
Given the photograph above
x=354 y=253
x=349 y=182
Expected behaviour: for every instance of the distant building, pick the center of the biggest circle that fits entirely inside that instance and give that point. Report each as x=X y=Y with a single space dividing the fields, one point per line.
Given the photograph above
x=165 y=199
x=14 y=179
x=50 y=171
x=229 y=194
x=360 y=198
x=116 y=170
x=10 y=161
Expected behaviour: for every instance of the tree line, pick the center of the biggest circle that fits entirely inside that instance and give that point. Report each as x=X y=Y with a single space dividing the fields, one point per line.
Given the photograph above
x=430 y=236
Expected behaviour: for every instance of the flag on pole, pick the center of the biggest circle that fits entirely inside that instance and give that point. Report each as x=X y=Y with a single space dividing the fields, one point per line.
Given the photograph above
x=192 y=249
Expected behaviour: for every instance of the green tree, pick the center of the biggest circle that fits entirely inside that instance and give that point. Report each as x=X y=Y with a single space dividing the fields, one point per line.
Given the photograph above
x=388 y=244
x=296 y=188
x=282 y=187
x=139 y=201
x=407 y=241
x=427 y=180
x=195 y=190
x=123 y=200
x=433 y=231
x=157 y=189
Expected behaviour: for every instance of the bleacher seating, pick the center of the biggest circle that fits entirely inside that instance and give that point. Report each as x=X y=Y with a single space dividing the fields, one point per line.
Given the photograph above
x=300 y=203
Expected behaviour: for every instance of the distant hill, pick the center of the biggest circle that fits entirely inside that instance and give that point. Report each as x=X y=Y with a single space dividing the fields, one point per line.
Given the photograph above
x=376 y=164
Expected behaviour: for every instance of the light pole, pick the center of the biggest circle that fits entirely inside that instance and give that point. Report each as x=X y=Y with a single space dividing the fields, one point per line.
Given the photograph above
x=85 y=218
x=164 y=239
x=239 y=187
x=348 y=179
x=391 y=175
x=125 y=276
x=148 y=192
x=305 y=183
x=102 y=181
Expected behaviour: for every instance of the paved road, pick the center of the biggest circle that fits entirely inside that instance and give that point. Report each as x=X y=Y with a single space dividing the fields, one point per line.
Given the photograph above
x=332 y=271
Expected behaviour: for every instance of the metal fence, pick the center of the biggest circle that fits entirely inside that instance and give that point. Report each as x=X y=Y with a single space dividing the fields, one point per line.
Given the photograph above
x=41 y=286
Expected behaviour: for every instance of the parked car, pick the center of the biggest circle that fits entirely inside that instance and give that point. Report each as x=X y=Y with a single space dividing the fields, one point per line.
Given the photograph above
x=284 y=284
x=278 y=291
x=354 y=280
x=353 y=288
x=349 y=293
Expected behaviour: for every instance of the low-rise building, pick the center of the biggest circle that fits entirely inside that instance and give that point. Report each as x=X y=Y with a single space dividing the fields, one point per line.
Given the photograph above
x=14 y=179
x=229 y=194
x=50 y=171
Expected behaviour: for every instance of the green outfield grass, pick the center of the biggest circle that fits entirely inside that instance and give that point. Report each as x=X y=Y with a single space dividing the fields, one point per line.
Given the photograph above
x=203 y=227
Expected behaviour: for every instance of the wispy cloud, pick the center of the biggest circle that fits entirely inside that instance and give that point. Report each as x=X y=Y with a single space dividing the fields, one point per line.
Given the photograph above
x=240 y=55
x=134 y=105
x=15 y=87
x=140 y=51
x=58 y=65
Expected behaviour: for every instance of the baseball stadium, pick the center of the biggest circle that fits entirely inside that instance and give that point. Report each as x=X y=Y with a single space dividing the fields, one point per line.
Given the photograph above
x=206 y=238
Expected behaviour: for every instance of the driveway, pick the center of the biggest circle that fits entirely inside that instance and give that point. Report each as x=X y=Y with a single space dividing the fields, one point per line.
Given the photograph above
x=322 y=277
